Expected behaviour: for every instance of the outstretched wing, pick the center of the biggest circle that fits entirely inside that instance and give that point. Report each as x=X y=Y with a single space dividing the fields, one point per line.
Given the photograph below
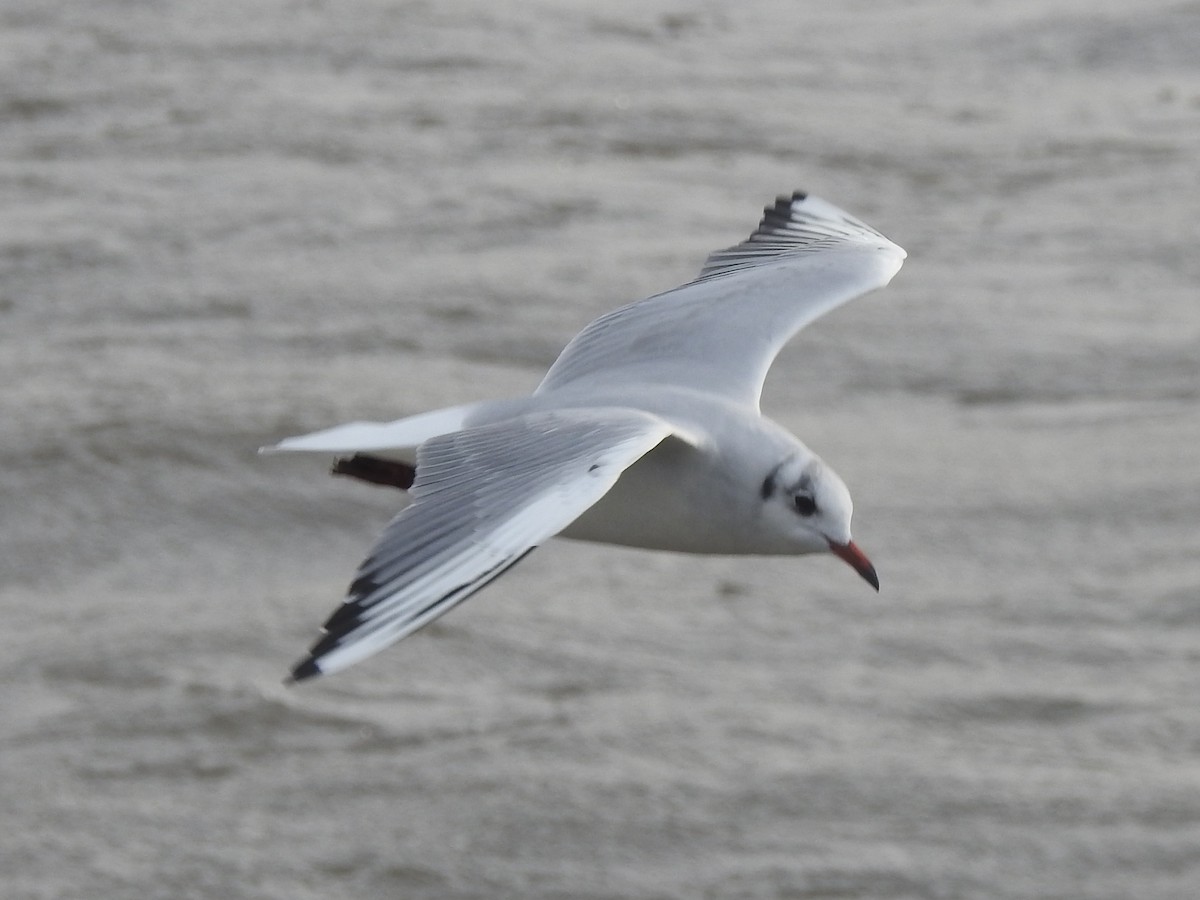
x=482 y=499
x=721 y=332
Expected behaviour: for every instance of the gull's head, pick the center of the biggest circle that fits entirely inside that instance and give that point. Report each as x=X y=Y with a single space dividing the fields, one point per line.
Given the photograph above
x=808 y=503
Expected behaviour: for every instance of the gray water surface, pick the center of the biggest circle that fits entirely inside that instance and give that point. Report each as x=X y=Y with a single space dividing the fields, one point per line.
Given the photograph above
x=222 y=223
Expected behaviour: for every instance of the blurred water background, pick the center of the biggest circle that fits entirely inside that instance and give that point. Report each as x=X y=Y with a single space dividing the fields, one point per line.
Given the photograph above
x=222 y=223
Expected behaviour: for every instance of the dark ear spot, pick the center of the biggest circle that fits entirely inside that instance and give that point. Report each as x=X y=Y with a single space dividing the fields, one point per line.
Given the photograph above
x=768 y=486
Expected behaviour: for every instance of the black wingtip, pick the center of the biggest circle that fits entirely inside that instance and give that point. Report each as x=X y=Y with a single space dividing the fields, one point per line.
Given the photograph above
x=303 y=671
x=780 y=213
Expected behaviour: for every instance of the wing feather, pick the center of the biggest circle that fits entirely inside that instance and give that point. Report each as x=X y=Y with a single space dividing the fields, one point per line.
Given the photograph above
x=721 y=332
x=483 y=498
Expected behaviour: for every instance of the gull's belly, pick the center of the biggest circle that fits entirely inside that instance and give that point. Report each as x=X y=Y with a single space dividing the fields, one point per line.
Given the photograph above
x=676 y=498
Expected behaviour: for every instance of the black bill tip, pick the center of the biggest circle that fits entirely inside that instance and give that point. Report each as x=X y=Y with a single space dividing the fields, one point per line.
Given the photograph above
x=857 y=560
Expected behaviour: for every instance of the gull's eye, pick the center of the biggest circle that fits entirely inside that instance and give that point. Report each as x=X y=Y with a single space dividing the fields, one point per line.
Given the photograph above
x=805 y=505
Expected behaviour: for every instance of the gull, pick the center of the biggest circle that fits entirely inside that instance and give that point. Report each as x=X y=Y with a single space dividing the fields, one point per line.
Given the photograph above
x=645 y=432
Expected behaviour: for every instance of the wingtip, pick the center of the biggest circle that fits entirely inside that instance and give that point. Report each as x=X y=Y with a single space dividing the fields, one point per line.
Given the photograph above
x=783 y=203
x=303 y=671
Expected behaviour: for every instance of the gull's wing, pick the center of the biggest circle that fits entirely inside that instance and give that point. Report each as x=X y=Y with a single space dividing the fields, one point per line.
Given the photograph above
x=721 y=332
x=482 y=499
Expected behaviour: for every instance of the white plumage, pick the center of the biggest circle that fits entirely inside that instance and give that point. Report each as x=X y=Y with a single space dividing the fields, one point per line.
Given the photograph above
x=646 y=431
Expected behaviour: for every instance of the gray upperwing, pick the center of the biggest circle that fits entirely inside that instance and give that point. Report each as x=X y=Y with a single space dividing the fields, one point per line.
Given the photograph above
x=721 y=332
x=482 y=499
